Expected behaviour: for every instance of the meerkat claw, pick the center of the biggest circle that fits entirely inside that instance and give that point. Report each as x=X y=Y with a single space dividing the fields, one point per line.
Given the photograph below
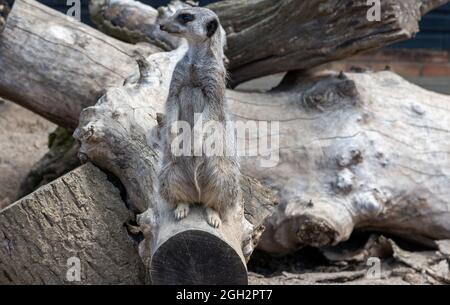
x=181 y=211
x=213 y=218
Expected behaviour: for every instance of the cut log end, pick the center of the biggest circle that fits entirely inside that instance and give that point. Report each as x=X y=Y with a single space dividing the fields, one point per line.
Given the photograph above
x=191 y=258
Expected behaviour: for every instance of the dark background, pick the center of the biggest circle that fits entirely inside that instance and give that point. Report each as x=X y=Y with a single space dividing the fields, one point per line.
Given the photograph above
x=435 y=27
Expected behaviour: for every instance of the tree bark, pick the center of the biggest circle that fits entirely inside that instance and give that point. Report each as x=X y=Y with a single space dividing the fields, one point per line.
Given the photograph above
x=267 y=37
x=38 y=49
x=346 y=157
x=4 y=10
x=360 y=150
x=357 y=150
x=79 y=215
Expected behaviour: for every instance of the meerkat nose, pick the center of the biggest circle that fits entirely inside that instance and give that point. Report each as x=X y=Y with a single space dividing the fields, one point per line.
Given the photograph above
x=162 y=27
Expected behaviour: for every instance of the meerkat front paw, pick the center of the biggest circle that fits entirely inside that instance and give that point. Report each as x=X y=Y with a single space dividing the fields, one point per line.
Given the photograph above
x=181 y=211
x=213 y=218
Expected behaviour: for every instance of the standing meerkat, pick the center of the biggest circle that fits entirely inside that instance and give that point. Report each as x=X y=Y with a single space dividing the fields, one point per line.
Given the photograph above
x=198 y=87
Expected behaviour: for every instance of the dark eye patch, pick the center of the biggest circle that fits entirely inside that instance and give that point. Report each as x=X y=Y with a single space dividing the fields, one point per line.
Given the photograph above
x=185 y=18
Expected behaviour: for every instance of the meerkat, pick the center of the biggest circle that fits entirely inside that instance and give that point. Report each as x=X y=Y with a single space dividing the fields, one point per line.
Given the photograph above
x=198 y=86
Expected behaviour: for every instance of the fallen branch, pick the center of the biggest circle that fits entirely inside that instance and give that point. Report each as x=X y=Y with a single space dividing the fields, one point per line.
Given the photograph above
x=360 y=150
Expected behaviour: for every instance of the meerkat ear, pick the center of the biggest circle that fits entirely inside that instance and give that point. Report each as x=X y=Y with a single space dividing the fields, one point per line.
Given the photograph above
x=211 y=27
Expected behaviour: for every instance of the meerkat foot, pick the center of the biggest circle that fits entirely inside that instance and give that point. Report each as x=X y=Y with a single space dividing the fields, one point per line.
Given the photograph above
x=181 y=211
x=213 y=218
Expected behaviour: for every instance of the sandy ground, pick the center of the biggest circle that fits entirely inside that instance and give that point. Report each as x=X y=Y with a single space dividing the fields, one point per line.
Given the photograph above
x=23 y=141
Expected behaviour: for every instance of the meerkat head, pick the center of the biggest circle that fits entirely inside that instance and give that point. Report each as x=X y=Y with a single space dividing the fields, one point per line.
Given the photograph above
x=196 y=24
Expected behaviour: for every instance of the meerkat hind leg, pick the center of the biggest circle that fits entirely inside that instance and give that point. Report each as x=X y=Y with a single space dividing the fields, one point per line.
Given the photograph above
x=181 y=211
x=213 y=218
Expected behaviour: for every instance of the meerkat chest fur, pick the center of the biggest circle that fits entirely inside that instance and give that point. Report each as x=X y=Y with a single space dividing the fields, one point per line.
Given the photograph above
x=199 y=84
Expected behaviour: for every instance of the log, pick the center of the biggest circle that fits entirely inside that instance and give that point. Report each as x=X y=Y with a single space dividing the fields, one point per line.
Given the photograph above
x=121 y=134
x=132 y=21
x=116 y=136
x=78 y=215
x=267 y=37
x=357 y=151
x=47 y=43
x=48 y=88
x=346 y=159
x=325 y=190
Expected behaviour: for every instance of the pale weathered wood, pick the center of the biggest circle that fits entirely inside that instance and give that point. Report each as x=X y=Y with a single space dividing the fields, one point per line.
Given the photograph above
x=267 y=37
x=78 y=215
x=357 y=151
x=130 y=21
x=133 y=160
x=364 y=150
x=4 y=10
x=39 y=46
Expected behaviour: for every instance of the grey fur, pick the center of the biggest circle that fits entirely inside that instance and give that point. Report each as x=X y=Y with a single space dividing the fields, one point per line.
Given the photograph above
x=198 y=86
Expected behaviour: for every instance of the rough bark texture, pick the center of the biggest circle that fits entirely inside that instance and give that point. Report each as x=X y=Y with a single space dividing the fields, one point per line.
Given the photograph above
x=357 y=150
x=49 y=89
x=79 y=215
x=130 y=21
x=138 y=156
x=365 y=150
x=267 y=37
x=4 y=10
x=38 y=49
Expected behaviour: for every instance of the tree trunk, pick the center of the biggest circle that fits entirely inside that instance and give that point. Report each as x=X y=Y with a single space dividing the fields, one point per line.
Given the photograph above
x=267 y=37
x=79 y=215
x=356 y=150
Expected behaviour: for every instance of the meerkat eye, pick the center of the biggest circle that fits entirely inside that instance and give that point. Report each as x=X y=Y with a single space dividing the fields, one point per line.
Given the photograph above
x=211 y=27
x=185 y=18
